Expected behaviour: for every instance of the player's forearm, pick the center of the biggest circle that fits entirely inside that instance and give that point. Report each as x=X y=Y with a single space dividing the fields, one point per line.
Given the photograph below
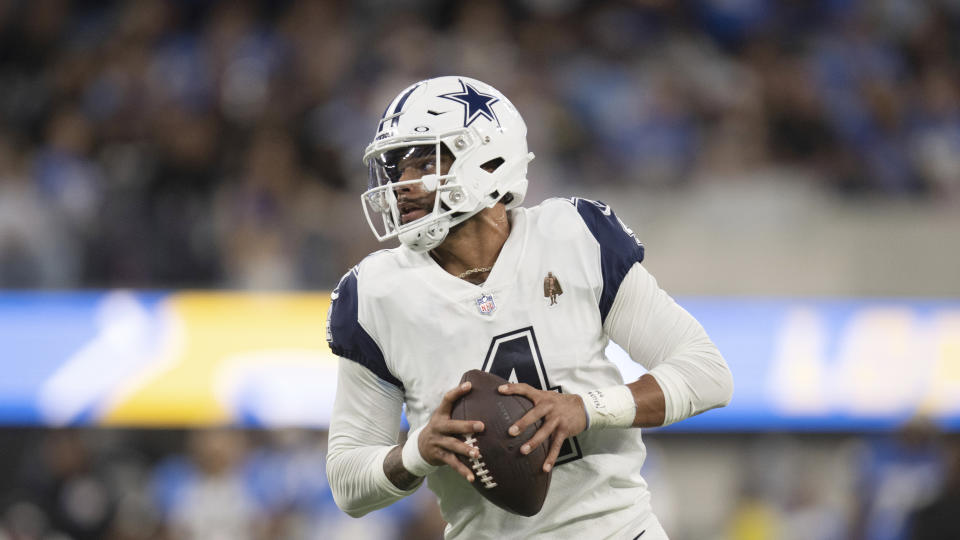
x=358 y=480
x=398 y=475
x=651 y=405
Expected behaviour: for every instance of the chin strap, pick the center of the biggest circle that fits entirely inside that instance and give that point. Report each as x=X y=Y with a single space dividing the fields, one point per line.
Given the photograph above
x=427 y=236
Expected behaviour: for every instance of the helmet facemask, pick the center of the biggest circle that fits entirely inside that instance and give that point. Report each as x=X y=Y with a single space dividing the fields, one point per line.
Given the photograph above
x=430 y=189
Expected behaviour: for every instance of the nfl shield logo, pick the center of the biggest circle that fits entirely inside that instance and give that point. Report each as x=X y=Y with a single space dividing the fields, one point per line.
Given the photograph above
x=485 y=304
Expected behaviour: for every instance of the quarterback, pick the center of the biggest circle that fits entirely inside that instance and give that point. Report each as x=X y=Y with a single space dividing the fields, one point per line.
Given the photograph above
x=531 y=294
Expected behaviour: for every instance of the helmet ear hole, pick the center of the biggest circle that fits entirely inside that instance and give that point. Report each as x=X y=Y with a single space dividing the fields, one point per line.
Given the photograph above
x=492 y=165
x=446 y=153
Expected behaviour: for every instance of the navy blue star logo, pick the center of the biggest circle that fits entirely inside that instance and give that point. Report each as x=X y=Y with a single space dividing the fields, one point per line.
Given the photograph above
x=475 y=104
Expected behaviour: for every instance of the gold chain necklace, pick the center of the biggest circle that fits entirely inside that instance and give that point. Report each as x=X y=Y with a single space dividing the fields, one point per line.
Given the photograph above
x=471 y=271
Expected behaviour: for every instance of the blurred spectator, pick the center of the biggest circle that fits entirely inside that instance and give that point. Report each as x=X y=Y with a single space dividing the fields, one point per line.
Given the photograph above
x=269 y=485
x=790 y=491
x=754 y=518
x=289 y=476
x=938 y=520
x=257 y=219
x=208 y=495
x=899 y=474
x=36 y=250
x=67 y=487
x=81 y=503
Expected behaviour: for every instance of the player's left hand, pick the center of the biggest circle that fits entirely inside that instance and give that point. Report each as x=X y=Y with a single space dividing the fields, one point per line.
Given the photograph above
x=563 y=416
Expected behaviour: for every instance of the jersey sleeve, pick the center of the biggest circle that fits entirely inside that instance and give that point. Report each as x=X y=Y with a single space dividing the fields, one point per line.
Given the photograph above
x=364 y=427
x=346 y=335
x=663 y=337
x=619 y=247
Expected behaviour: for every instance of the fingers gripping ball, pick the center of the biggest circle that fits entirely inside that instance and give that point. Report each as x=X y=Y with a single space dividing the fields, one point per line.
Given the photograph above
x=504 y=476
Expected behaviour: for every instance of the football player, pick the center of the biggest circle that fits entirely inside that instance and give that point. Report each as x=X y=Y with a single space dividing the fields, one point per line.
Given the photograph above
x=475 y=284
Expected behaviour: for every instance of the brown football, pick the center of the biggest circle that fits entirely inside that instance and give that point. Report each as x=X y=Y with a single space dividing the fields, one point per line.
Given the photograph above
x=504 y=476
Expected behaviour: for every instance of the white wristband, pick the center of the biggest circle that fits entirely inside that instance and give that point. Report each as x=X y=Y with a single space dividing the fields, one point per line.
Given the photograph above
x=610 y=407
x=412 y=460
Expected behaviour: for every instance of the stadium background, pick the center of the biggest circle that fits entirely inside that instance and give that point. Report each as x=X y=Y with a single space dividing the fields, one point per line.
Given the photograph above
x=179 y=191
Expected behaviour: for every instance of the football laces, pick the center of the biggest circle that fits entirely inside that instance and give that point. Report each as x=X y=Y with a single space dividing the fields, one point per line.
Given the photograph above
x=478 y=466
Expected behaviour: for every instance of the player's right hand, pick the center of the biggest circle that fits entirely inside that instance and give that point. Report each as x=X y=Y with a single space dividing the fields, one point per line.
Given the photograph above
x=440 y=439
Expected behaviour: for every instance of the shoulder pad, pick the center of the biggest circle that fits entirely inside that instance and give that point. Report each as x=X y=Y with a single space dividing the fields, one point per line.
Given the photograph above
x=347 y=337
x=619 y=247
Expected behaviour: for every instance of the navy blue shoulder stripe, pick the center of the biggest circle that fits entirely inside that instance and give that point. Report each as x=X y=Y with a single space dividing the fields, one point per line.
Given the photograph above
x=345 y=335
x=619 y=247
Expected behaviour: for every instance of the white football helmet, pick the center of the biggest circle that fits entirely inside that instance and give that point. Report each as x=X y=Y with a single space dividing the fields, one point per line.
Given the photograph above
x=433 y=120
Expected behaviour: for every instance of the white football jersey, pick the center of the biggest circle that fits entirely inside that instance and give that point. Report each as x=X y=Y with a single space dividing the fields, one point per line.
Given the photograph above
x=538 y=319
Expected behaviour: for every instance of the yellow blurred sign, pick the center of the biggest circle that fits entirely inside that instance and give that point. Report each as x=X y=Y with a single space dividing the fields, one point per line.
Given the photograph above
x=213 y=338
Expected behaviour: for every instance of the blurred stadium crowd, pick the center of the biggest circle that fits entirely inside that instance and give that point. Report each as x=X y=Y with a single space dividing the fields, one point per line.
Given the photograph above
x=173 y=143
x=213 y=484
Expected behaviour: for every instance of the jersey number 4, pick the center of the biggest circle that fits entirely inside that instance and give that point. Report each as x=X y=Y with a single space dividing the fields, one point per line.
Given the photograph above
x=515 y=356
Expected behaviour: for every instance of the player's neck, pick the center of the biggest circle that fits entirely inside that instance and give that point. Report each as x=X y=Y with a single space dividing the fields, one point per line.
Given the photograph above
x=475 y=244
